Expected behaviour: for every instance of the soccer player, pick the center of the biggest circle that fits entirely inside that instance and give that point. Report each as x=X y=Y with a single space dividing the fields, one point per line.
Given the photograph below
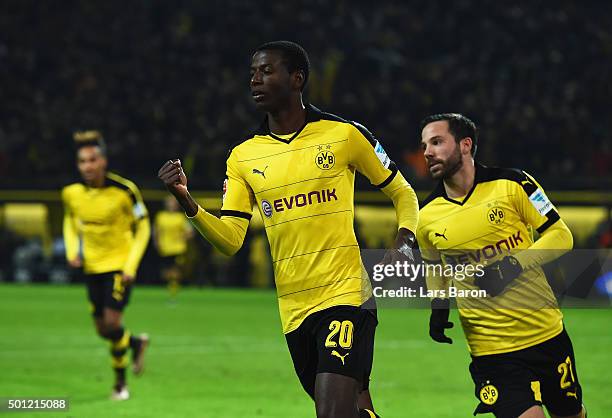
x=100 y=213
x=522 y=356
x=299 y=169
x=171 y=233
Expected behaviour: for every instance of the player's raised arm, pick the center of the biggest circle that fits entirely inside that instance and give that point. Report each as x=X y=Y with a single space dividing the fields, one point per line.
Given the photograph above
x=369 y=158
x=175 y=180
x=226 y=233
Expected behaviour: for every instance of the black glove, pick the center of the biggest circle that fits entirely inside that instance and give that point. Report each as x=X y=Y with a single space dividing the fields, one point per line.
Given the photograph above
x=498 y=275
x=438 y=321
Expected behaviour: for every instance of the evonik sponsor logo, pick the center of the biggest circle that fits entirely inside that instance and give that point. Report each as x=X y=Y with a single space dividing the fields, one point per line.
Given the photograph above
x=487 y=252
x=298 y=201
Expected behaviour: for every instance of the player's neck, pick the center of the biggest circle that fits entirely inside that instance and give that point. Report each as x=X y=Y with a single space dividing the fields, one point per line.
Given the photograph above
x=460 y=183
x=96 y=183
x=289 y=119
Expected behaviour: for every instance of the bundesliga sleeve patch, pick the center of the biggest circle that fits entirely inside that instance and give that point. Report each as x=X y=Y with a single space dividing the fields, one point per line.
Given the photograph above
x=224 y=189
x=540 y=201
x=138 y=210
x=382 y=155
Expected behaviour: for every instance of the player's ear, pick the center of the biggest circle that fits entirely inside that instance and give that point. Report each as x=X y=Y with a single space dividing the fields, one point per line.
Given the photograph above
x=298 y=79
x=466 y=145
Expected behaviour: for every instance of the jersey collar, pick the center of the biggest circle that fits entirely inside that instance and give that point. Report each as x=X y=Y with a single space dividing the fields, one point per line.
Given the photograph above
x=480 y=175
x=104 y=184
x=312 y=115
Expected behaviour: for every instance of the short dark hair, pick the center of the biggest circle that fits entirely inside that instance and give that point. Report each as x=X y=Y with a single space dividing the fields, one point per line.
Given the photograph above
x=294 y=56
x=458 y=125
x=89 y=138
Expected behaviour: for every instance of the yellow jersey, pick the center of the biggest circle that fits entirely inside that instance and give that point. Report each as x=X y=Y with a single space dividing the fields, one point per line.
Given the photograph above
x=303 y=186
x=171 y=232
x=491 y=221
x=110 y=222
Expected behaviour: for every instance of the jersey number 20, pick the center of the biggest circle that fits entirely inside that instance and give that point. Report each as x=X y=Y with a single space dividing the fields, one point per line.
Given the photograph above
x=344 y=330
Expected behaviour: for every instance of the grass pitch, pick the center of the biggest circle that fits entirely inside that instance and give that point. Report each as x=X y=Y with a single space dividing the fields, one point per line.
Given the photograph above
x=221 y=353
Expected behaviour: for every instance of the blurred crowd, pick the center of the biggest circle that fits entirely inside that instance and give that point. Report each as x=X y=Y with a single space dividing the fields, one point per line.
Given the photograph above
x=170 y=79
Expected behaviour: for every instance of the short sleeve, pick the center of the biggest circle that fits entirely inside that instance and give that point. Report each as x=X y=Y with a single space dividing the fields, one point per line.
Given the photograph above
x=238 y=197
x=368 y=156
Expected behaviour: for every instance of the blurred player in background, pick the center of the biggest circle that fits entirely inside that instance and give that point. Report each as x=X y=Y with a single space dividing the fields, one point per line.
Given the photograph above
x=100 y=214
x=522 y=357
x=171 y=233
x=299 y=169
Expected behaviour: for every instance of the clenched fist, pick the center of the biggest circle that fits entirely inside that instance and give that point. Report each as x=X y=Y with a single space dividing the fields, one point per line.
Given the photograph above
x=175 y=180
x=174 y=177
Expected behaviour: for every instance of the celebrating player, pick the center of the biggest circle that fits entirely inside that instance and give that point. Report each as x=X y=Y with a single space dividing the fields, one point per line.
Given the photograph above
x=299 y=169
x=100 y=212
x=522 y=357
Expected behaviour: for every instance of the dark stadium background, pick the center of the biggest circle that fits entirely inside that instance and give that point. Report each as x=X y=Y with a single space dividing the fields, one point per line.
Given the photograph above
x=165 y=79
x=171 y=78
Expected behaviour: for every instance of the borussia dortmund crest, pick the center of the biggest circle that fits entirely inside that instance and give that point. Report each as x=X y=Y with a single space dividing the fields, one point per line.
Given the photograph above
x=489 y=394
x=325 y=159
x=496 y=215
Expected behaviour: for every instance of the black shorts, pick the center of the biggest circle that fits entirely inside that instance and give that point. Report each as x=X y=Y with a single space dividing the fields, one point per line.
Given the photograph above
x=106 y=290
x=171 y=261
x=167 y=262
x=510 y=383
x=337 y=340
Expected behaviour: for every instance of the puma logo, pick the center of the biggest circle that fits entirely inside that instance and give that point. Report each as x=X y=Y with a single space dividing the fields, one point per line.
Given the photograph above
x=341 y=357
x=570 y=394
x=442 y=235
x=263 y=173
